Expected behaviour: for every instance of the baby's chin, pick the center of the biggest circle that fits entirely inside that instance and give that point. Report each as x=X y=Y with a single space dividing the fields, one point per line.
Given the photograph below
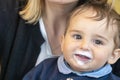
x=85 y=67
x=80 y=67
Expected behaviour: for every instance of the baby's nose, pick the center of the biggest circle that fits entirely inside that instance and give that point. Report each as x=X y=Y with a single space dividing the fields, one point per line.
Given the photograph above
x=85 y=45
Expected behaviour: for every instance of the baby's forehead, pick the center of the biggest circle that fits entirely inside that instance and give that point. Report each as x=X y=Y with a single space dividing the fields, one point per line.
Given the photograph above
x=84 y=12
x=92 y=15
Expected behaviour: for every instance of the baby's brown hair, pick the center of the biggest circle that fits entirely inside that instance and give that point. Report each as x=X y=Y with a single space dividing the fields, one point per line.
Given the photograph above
x=103 y=10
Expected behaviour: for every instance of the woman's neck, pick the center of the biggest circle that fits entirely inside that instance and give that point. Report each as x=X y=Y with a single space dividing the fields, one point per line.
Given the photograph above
x=55 y=15
x=54 y=19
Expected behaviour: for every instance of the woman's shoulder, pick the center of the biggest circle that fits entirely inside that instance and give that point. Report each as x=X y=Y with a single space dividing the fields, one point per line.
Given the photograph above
x=10 y=9
x=11 y=4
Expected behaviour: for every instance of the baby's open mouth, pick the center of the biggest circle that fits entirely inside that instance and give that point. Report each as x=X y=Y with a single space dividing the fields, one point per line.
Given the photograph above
x=83 y=57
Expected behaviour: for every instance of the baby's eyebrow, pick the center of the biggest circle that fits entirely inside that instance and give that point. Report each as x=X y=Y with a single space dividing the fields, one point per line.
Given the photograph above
x=78 y=31
x=101 y=37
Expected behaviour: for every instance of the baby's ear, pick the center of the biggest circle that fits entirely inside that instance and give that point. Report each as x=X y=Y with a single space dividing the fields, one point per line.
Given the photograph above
x=114 y=57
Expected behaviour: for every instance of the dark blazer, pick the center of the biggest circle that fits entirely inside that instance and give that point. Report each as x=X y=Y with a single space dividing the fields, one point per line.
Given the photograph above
x=48 y=70
x=19 y=42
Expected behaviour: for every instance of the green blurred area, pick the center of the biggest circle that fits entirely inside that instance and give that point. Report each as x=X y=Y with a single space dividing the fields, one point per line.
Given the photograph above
x=116 y=5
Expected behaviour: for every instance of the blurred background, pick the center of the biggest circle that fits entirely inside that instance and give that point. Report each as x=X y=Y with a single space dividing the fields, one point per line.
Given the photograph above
x=116 y=5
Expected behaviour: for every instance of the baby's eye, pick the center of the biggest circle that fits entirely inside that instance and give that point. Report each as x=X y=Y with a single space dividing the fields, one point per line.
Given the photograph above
x=77 y=36
x=98 y=42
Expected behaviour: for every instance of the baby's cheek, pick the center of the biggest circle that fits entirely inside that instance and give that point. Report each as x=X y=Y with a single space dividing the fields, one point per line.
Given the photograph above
x=101 y=59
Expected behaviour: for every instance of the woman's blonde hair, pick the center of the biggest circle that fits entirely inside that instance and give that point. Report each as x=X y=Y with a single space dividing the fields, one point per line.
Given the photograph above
x=32 y=11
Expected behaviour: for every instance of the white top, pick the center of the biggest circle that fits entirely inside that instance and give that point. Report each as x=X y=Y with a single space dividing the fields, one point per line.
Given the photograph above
x=45 y=47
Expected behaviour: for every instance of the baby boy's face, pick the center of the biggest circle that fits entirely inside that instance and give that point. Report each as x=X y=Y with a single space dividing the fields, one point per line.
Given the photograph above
x=88 y=44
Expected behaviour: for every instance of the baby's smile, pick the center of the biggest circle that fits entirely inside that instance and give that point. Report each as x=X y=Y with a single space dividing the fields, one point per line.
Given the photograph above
x=82 y=57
